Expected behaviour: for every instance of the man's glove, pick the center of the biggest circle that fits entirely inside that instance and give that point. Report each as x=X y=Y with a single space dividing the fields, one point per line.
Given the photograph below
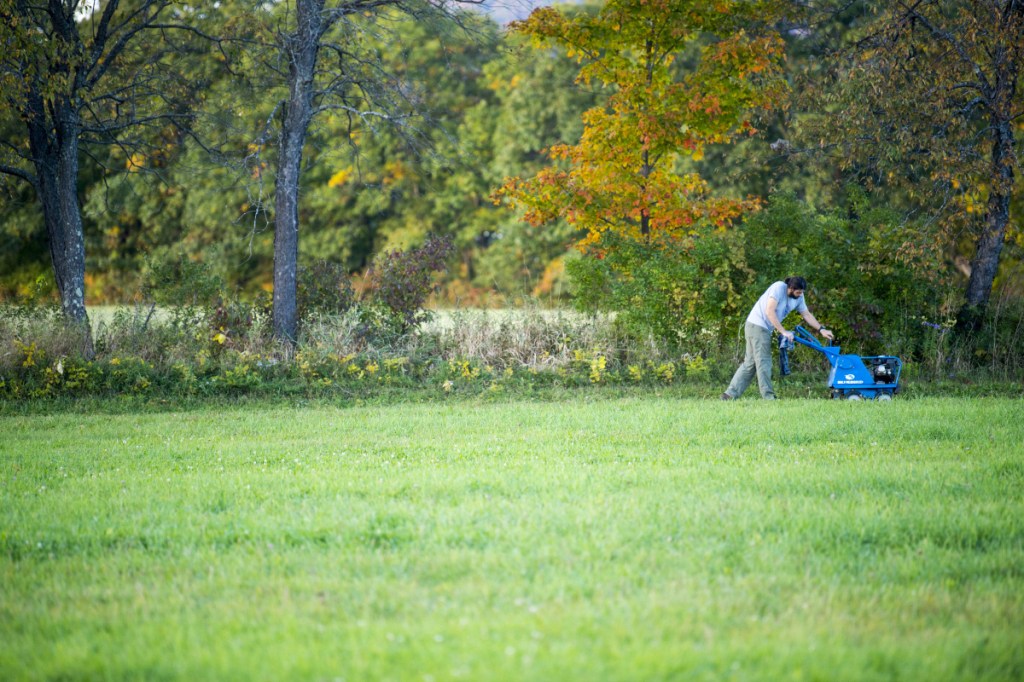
x=785 y=345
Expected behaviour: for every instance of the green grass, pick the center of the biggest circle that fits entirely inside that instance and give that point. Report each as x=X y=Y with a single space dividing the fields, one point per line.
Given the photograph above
x=612 y=539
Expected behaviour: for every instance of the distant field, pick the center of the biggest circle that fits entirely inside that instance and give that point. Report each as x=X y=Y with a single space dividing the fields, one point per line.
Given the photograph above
x=446 y=318
x=645 y=539
x=104 y=314
x=441 y=319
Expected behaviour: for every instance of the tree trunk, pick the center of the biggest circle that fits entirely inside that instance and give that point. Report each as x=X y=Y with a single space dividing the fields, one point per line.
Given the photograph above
x=985 y=263
x=301 y=47
x=646 y=168
x=55 y=153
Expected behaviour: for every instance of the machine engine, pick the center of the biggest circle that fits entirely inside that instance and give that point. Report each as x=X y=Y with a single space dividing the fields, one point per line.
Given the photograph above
x=884 y=370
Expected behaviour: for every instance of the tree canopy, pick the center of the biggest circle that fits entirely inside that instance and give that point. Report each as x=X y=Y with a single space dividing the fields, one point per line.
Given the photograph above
x=638 y=138
x=927 y=99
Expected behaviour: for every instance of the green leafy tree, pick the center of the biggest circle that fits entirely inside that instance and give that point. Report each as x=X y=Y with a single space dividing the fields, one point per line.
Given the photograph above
x=873 y=295
x=78 y=81
x=319 y=49
x=203 y=195
x=534 y=104
x=383 y=187
x=927 y=99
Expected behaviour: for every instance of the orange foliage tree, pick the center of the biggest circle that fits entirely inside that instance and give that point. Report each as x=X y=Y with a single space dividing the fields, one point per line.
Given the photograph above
x=622 y=180
x=622 y=175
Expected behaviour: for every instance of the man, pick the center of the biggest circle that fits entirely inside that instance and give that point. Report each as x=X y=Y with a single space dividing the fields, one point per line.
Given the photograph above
x=778 y=301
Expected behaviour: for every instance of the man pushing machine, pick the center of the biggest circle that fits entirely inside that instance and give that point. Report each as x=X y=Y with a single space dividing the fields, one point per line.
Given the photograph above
x=775 y=304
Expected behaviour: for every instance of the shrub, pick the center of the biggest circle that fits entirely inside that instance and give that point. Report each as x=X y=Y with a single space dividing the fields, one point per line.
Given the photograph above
x=188 y=289
x=129 y=375
x=135 y=332
x=697 y=367
x=686 y=292
x=239 y=325
x=402 y=281
x=324 y=288
x=873 y=278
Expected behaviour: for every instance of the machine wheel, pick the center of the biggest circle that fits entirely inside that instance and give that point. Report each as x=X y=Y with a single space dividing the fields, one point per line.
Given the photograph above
x=854 y=396
x=884 y=396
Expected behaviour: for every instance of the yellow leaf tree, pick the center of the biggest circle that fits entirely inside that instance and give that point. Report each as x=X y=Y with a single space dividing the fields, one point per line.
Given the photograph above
x=622 y=175
x=681 y=75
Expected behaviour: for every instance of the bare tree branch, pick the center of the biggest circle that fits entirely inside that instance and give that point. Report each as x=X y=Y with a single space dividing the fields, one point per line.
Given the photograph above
x=949 y=39
x=19 y=173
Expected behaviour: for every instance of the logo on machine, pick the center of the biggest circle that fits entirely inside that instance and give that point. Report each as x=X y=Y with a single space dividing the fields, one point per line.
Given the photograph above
x=851 y=377
x=851 y=380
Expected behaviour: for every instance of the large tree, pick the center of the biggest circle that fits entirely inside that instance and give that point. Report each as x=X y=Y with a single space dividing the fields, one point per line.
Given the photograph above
x=927 y=99
x=622 y=175
x=622 y=183
x=320 y=48
x=77 y=75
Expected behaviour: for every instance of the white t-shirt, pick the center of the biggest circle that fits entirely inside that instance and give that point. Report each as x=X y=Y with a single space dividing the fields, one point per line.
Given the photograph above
x=784 y=305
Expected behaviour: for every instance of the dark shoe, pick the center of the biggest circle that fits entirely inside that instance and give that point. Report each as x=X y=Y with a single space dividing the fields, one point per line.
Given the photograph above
x=726 y=396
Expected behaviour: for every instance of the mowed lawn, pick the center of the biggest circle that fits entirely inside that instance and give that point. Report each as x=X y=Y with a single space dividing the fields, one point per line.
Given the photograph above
x=641 y=539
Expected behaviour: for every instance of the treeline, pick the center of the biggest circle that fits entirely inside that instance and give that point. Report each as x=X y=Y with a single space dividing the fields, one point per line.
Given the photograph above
x=484 y=108
x=897 y=197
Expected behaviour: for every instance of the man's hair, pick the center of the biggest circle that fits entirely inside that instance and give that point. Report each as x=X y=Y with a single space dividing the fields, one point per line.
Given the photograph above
x=795 y=282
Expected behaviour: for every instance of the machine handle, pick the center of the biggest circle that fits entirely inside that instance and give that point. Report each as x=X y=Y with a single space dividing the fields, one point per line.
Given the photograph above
x=805 y=337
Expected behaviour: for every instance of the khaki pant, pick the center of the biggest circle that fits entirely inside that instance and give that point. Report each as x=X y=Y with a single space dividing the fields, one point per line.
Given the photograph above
x=757 y=362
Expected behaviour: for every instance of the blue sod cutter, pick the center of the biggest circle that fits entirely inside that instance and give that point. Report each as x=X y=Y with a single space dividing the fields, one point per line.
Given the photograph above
x=854 y=377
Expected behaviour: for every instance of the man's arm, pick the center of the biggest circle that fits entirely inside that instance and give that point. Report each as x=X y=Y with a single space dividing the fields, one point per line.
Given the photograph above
x=815 y=325
x=773 y=318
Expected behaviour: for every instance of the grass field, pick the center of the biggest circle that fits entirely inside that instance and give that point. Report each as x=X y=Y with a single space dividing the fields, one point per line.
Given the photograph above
x=637 y=539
